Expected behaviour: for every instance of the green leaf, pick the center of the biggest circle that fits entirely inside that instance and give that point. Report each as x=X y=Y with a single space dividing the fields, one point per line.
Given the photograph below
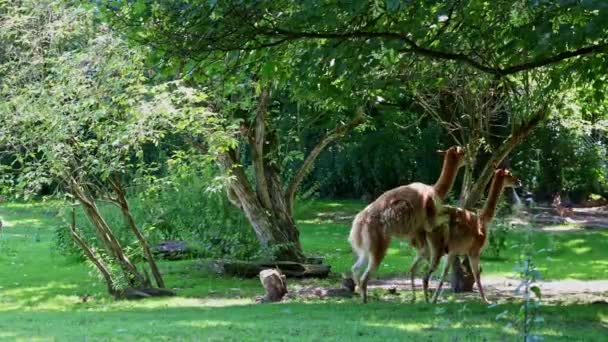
x=139 y=7
x=392 y=5
x=536 y=291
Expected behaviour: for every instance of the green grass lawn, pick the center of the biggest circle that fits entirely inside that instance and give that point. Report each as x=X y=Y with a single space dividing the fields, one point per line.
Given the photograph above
x=40 y=293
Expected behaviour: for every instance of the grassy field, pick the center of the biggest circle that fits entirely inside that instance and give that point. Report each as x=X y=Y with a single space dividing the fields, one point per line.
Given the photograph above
x=40 y=293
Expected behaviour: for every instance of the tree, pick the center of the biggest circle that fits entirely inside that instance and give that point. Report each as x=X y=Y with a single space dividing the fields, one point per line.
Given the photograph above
x=265 y=116
x=71 y=117
x=365 y=49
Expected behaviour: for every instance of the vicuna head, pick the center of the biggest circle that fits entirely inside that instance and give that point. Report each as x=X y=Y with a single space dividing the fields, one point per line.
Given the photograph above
x=509 y=181
x=453 y=159
x=454 y=156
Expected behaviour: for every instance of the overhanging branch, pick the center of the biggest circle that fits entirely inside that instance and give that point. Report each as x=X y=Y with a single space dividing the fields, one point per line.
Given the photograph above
x=330 y=137
x=412 y=47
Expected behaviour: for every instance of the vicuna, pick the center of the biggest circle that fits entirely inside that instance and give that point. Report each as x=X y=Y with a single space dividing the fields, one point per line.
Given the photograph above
x=466 y=233
x=403 y=212
x=562 y=210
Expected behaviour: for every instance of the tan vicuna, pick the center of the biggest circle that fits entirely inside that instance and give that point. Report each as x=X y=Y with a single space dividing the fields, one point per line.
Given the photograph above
x=401 y=212
x=466 y=233
x=561 y=209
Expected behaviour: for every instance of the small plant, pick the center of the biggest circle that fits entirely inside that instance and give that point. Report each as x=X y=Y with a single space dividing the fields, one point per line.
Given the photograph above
x=498 y=238
x=528 y=315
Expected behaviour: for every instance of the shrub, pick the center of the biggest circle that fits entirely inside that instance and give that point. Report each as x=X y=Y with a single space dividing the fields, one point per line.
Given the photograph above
x=188 y=203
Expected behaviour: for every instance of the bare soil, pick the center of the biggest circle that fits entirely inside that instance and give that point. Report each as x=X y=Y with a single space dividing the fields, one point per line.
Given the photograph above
x=503 y=289
x=590 y=218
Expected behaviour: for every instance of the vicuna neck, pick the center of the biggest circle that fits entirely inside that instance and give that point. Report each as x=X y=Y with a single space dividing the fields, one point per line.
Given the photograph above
x=446 y=178
x=489 y=210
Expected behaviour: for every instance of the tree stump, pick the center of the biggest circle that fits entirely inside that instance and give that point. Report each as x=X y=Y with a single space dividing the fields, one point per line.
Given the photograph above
x=462 y=279
x=275 y=285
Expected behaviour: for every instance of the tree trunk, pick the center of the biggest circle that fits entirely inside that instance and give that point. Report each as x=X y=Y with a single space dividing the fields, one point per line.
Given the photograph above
x=275 y=229
x=462 y=277
x=516 y=137
x=106 y=235
x=88 y=252
x=267 y=204
x=123 y=204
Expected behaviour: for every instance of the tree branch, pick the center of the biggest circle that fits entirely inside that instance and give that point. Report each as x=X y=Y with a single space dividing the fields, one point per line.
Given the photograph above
x=122 y=202
x=413 y=47
x=98 y=262
x=540 y=62
x=499 y=154
x=257 y=148
x=332 y=136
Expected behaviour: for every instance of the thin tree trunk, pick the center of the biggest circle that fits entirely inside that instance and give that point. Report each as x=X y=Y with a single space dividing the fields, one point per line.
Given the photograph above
x=101 y=266
x=308 y=163
x=105 y=233
x=256 y=141
x=462 y=276
x=124 y=207
x=500 y=153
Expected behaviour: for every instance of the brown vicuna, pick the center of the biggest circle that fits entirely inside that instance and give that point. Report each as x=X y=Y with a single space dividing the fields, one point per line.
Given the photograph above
x=402 y=212
x=466 y=233
x=561 y=209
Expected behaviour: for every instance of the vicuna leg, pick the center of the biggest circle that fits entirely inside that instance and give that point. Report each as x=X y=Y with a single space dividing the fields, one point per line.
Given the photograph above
x=435 y=257
x=474 y=261
x=377 y=253
x=413 y=272
x=444 y=275
x=357 y=267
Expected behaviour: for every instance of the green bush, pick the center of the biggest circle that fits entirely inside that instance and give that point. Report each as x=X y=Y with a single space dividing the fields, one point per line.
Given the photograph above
x=189 y=204
x=499 y=235
x=367 y=163
x=561 y=157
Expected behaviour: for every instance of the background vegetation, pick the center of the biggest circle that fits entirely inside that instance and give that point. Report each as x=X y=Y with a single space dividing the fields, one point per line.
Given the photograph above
x=256 y=130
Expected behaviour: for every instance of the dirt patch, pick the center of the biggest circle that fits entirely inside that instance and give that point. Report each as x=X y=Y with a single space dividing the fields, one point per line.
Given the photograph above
x=503 y=289
x=581 y=219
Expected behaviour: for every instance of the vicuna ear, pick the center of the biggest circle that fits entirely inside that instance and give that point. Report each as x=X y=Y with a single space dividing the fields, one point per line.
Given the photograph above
x=441 y=153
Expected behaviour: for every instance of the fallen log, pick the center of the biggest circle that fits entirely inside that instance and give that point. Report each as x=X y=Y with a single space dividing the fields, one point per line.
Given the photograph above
x=172 y=250
x=250 y=269
x=135 y=293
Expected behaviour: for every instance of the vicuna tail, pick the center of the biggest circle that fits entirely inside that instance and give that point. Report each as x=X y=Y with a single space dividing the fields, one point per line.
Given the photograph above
x=356 y=241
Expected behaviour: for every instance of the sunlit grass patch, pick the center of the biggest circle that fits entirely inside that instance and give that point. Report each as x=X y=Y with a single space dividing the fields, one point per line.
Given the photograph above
x=42 y=293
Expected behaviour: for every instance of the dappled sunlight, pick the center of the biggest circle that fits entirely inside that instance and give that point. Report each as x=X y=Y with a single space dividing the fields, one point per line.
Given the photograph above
x=409 y=327
x=205 y=324
x=581 y=250
x=182 y=302
x=210 y=305
x=26 y=222
x=393 y=251
x=53 y=296
x=603 y=319
x=574 y=243
x=8 y=336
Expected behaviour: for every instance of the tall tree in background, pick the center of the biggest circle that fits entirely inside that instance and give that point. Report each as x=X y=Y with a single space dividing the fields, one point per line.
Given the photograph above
x=326 y=54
